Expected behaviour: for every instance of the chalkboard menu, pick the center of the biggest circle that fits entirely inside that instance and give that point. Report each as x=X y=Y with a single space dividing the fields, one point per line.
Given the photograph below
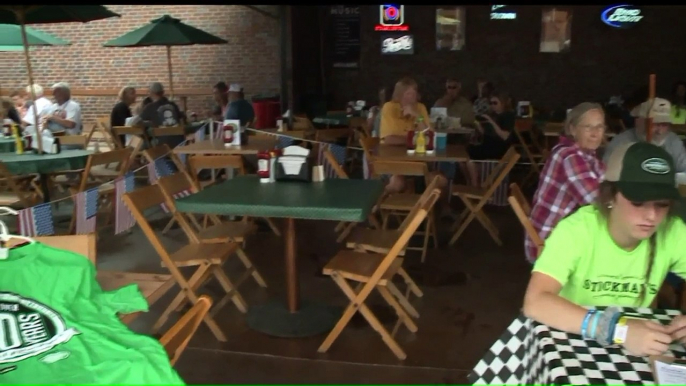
x=345 y=34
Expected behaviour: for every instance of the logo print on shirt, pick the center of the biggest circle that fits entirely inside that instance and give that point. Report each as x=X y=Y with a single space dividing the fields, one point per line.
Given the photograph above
x=29 y=328
x=656 y=166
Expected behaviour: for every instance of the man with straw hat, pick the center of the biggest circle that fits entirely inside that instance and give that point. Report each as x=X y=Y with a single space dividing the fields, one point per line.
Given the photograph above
x=660 y=111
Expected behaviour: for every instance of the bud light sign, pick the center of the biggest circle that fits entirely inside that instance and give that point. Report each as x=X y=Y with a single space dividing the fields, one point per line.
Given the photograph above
x=621 y=16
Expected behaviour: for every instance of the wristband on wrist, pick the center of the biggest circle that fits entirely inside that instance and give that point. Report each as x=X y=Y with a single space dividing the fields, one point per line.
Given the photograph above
x=613 y=327
x=594 y=325
x=606 y=325
x=584 y=324
x=621 y=330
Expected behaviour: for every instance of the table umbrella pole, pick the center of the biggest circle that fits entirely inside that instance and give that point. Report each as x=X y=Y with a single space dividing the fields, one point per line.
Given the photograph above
x=169 y=66
x=36 y=124
x=651 y=98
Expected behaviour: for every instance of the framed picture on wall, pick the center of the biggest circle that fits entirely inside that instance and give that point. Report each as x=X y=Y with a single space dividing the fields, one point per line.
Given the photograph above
x=450 y=29
x=556 y=29
x=397 y=44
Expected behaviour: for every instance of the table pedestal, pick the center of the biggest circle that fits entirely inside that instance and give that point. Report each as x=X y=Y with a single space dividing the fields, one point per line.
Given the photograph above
x=294 y=319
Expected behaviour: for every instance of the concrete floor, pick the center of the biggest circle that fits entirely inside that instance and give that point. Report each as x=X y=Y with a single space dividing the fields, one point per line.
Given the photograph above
x=471 y=293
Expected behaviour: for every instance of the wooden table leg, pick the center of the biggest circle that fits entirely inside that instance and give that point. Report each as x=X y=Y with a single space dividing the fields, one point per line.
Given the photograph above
x=292 y=288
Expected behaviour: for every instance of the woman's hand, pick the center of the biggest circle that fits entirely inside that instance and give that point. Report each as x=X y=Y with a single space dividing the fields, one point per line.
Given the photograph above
x=646 y=337
x=677 y=329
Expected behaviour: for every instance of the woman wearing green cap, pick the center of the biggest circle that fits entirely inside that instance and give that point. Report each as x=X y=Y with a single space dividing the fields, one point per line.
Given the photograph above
x=615 y=253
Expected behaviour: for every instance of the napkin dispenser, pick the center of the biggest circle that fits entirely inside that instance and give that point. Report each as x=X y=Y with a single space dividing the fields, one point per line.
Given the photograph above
x=293 y=165
x=51 y=144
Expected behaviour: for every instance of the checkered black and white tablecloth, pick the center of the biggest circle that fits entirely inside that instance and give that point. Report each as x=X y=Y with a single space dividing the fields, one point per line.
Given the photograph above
x=531 y=353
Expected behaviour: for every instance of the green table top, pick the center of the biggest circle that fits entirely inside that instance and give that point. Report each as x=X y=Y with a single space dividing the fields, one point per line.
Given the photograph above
x=333 y=199
x=29 y=162
x=7 y=144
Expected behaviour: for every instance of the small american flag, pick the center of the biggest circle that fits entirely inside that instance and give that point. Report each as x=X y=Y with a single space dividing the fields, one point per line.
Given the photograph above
x=123 y=219
x=183 y=193
x=284 y=141
x=338 y=153
x=86 y=211
x=36 y=221
x=159 y=168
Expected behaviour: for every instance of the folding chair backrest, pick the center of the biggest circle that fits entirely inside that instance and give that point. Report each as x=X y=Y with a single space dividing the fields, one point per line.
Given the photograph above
x=102 y=124
x=164 y=131
x=505 y=164
x=433 y=185
x=143 y=199
x=403 y=168
x=200 y=162
x=519 y=196
x=25 y=198
x=74 y=140
x=128 y=130
x=340 y=173
x=121 y=157
x=177 y=337
x=177 y=183
x=524 y=220
x=81 y=244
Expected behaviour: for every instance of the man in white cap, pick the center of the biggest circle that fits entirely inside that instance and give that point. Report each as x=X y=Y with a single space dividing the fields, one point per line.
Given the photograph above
x=64 y=114
x=239 y=108
x=660 y=110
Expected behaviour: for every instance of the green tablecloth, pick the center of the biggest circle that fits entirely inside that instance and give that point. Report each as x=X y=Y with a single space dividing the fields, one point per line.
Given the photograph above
x=6 y=144
x=29 y=163
x=333 y=199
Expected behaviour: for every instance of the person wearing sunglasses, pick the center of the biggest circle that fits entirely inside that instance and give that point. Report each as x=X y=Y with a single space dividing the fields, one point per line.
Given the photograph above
x=492 y=137
x=572 y=173
x=457 y=105
x=615 y=253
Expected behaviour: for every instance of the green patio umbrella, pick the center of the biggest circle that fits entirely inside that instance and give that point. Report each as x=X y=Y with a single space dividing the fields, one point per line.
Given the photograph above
x=165 y=31
x=48 y=14
x=10 y=38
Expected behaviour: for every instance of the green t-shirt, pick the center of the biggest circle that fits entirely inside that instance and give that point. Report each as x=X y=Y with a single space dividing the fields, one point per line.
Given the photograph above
x=594 y=271
x=57 y=326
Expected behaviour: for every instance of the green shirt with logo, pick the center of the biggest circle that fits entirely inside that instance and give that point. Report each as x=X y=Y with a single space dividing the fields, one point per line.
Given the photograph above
x=57 y=326
x=594 y=271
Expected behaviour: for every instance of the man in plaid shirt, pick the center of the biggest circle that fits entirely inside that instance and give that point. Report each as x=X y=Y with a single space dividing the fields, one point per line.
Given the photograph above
x=572 y=174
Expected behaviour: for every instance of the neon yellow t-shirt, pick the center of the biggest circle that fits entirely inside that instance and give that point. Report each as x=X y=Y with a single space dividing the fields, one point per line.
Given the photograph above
x=594 y=271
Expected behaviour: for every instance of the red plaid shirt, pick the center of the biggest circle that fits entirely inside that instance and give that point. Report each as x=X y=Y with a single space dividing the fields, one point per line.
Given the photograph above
x=569 y=180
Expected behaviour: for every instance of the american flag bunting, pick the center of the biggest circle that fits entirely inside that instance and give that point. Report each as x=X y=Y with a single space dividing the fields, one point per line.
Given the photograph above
x=183 y=193
x=161 y=167
x=284 y=141
x=36 y=221
x=123 y=219
x=86 y=211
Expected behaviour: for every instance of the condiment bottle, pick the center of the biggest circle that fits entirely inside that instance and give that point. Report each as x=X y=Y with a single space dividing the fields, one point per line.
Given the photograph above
x=430 y=141
x=410 y=142
x=421 y=143
x=272 y=164
x=228 y=134
x=18 y=140
x=263 y=165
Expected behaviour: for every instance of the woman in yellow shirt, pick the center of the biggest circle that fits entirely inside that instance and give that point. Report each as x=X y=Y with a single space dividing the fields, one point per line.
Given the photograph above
x=400 y=114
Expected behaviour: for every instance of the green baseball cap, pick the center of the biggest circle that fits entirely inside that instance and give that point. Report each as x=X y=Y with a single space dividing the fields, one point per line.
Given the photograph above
x=643 y=172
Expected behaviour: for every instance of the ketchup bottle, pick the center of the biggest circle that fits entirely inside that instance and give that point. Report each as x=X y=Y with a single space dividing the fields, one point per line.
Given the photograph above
x=410 y=142
x=429 y=141
x=263 y=165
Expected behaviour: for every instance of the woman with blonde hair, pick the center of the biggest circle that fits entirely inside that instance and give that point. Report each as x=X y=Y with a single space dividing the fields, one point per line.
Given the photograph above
x=615 y=253
x=402 y=113
x=572 y=173
x=122 y=110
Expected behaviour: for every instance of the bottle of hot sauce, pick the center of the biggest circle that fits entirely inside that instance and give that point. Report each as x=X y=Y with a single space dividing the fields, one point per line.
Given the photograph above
x=429 y=141
x=263 y=165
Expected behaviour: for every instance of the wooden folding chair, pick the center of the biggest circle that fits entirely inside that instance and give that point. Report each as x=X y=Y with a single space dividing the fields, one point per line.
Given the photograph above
x=220 y=232
x=208 y=258
x=402 y=203
x=522 y=209
x=89 y=179
x=164 y=150
x=19 y=191
x=342 y=226
x=531 y=149
x=372 y=271
x=177 y=337
x=475 y=198
x=152 y=286
x=102 y=126
x=74 y=140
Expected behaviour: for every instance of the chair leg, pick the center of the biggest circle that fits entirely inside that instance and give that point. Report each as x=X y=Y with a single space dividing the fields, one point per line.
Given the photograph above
x=273 y=226
x=399 y=310
x=231 y=291
x=171 y=223
x=411 y=285
x=427 y=234
x=405 y=302
x=181 y=297
x=250 y=267
x=346 y=232
x=432 y=217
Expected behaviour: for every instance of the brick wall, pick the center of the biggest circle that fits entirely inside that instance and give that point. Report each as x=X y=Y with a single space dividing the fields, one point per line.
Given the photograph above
x=251 y=57
x=602 y=61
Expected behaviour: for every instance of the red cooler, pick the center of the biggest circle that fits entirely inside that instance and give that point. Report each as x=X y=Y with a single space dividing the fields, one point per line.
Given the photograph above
x=266 y=113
